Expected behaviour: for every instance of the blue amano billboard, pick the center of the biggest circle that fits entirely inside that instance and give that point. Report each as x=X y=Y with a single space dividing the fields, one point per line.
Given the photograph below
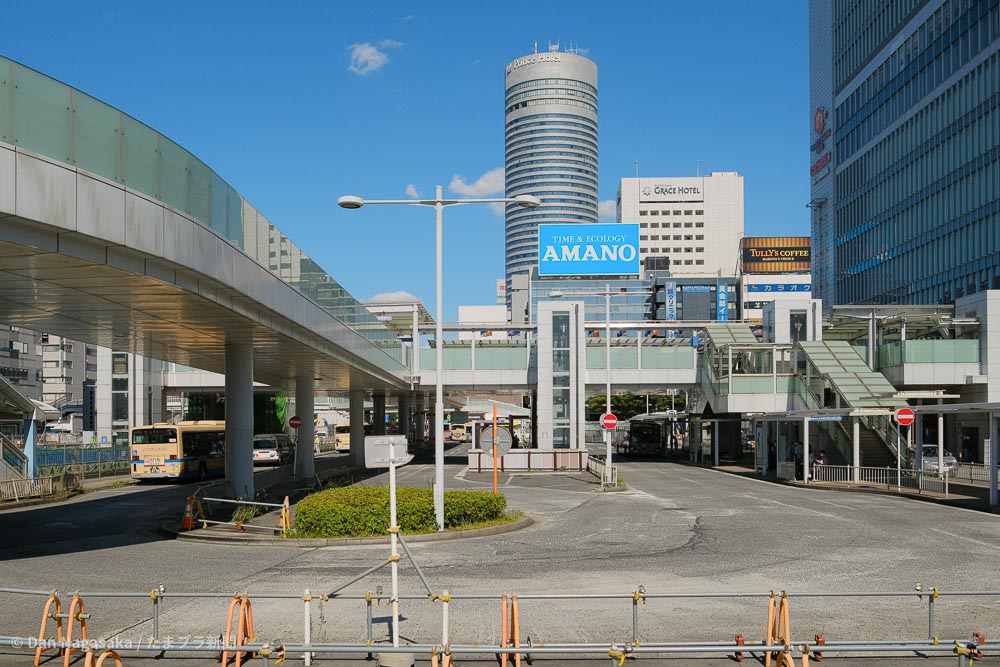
x=588 y=250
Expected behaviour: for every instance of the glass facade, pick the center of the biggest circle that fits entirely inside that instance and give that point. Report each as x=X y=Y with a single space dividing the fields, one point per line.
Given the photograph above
x=45 y=116
x=916 y=208
x=550 y=105
x=630 y=298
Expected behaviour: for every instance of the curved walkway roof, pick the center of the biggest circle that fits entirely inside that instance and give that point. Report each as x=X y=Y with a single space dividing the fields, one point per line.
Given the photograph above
x=113 y=234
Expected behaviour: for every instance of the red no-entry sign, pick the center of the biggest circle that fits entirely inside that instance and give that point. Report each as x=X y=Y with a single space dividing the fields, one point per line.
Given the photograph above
x=609 y=421
x=904 y=416
x=295 y=422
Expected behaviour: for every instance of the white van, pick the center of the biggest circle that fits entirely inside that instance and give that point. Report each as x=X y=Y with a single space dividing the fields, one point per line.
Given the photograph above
x=272 y=449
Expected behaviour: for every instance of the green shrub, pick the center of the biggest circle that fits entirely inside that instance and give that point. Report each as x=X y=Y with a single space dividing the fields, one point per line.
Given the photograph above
x=465 y=507
x=360 y=511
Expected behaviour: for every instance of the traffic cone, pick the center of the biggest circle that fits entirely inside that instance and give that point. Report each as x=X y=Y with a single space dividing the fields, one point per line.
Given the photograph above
x=188 y=523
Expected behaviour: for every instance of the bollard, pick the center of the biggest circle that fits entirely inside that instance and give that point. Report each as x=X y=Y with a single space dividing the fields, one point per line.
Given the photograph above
x=306 y=624
x=79 y=616
x=55 y=615
x=504 y=629
x=740 y=641
x=445 y=599
x=368 y=605
x=515 y=629
x=930 y=613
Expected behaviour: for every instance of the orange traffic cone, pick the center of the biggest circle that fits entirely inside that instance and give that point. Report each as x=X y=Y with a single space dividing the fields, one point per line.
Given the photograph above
x=188 y=523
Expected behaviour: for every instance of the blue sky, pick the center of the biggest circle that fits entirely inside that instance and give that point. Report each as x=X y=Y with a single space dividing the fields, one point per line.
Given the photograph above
x=295 y=104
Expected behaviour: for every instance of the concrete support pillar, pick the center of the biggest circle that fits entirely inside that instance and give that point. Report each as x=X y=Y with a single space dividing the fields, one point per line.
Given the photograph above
x=715 y=444
x=918 y=446
x=805 y=450
x=356 y=414
x=994 y=434
x=305 y=463
x=419 y=418
x=239 y=419
x=856 y=426
x=378 y=413
x=403 y=402
x=940 y=442
x=30 y=430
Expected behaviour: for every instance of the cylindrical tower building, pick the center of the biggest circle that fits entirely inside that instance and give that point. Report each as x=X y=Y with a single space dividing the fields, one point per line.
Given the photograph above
x=550 y=148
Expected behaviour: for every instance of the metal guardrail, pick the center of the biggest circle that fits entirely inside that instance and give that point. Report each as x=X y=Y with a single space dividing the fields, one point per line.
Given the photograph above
x=890 y=478
x=33 y=487
x=597 y=466
x=774 y=607
x=972 y=472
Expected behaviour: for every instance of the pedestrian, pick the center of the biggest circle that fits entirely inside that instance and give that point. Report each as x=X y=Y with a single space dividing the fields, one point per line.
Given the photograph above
x=797 y=454
x=821 y=459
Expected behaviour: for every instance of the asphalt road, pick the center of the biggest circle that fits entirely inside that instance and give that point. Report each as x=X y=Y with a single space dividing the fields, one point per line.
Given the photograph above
x=676 y=529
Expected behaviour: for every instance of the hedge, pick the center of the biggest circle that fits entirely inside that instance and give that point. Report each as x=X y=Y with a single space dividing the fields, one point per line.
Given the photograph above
x=359 y=511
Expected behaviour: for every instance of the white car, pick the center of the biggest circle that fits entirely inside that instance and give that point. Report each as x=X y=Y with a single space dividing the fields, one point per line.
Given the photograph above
x=930 y=461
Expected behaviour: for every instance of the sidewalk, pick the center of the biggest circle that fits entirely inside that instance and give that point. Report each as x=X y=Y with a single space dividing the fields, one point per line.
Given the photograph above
x=960 y=493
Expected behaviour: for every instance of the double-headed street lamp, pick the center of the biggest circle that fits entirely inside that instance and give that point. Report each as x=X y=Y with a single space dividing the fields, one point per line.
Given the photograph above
x=352 y=202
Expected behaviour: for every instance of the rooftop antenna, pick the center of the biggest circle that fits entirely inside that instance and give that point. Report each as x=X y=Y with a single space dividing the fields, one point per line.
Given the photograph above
x=553 y=47
x=637 y=169
x=698 y=171
x=536 y=46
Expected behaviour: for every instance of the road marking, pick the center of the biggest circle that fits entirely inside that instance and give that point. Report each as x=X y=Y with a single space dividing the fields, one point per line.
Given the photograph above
x=827 y=502
x=796 y=507
x=687 y=479
x=967 y=539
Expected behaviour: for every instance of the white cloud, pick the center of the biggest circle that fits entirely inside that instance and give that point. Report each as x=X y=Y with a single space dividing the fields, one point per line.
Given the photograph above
x=366 y=59
x=490 y=183
x=390 y=44
x=498 y=209
x=407 y=18
x=393 y=297
x=607 y=210
x=411 y=191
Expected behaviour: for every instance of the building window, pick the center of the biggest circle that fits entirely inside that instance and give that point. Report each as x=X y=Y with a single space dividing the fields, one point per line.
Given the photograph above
x=687 y=262
x=699 y=224
x=677 y=224
x=119 y=364
x=699 y=237
x=643 y=225
x=699 y=249
x=699 y=261
x=677 y=237
x=654 y=212
x=688 y=249
x=677 y=212
x=665 y=212
x=654 y=224
x=699 y=212
x=688 y=212
x=687 y=225
x=643 y=237
x=677 y=261
x=687 y=237
x=642 y=213
x=654 y=237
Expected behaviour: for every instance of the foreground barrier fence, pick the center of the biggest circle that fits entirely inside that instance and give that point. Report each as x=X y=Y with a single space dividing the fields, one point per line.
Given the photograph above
x=776 y=645
x=890 y=478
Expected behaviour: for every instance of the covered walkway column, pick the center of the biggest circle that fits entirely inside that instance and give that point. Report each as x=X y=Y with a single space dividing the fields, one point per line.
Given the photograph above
x=356 y=414
x=378 y=413
x=806 y=469
x=403 y=421
x=305 y=463
x=856 y=425
x=992 y=454
x=239 y=419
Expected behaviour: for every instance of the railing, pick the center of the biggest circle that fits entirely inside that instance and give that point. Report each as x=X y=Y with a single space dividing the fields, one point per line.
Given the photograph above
x=890 y=478
x=597 y=466
x=13 y=456
x=34 y=487
x=530 y=459
x=627 y=633
x=89 y=461
x=973 y=472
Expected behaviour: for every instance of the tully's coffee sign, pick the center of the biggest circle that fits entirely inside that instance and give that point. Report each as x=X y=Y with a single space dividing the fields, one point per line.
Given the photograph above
x=788 y=254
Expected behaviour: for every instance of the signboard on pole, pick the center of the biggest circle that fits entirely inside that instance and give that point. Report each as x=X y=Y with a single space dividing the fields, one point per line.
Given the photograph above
x=609 y=421
x=904 y=416
x=295 y=421
x=377 y=449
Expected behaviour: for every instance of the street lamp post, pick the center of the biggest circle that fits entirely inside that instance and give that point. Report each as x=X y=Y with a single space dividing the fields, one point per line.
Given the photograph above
x=354 y=202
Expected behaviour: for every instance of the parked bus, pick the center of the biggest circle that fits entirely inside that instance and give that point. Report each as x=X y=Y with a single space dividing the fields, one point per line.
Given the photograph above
x=185 y=450
x=656 y=434
x=342 y=435
x=461 y=432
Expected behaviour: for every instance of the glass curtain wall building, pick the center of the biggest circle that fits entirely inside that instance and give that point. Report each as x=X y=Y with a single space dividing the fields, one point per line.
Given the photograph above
x=905 y=149
x=550 y=149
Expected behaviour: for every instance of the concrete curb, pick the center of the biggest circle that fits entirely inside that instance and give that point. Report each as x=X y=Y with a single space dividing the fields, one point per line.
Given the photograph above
x=203 y=535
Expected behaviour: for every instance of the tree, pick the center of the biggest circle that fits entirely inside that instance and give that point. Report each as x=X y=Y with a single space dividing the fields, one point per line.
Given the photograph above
x=627 y=405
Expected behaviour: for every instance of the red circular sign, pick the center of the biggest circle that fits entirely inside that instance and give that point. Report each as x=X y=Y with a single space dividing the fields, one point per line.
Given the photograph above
x=609 y=421
x=295 y=422
x=904 y=416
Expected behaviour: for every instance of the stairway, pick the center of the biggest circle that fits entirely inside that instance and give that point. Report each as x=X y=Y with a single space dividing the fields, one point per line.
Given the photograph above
x=13 y=462
x=874 y=452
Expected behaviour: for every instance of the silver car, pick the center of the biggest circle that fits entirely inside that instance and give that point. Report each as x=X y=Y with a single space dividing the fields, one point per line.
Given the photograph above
x=930 y=462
